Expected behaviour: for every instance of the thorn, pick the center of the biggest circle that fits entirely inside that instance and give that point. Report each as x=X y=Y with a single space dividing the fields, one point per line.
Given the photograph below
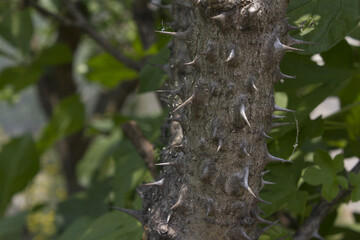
x=265 y=229
x=231 y=56
x=195 y=2
x=282 y=47
x=187 y=102
x=292 y=27
x=192 y=62
x=277 y=108
x=220 y=144
x=243 y=114
x=221 y=18
x=272 y=158
x=137 y=214
x=294 y=41
x=243 y=234
x=209 y=206
x=254 y=86
x=267 y=182
x=251 y=192
x=243 y=148
x=245 y=184
x=275 y=125
x=157 y=183
x=261 y=220
x=168 y=218
x=181 y=197
x=263 y=201
x=265 y=172
x=317 y=235
x=266 y=136
x=181 y=35
x=278 y=116
x=284 y=76
x=165 y=164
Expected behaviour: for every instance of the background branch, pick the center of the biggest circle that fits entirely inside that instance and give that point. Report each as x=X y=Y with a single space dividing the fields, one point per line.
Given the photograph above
x=312 y=223
x=141 y=144
x=81 y=23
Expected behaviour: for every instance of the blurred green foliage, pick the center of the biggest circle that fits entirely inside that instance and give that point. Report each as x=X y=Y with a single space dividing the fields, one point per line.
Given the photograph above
x=111 y=168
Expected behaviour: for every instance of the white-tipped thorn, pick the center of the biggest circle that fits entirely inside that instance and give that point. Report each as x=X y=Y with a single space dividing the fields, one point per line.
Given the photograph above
x=181 y=197
x=220 y=143
x=284 y=76
x=168 y=218
x=246 y=152
x=272 y=158
x=282 y=47
x=266 y=136
x=277 y=108
x=195 y=2
x=265 y=172
x=221 y=18
x=244 y=235
x=231 y=55
x=187 y=102
x=157 y=183
x=243 y=114
x=267 y=182
x=137 y=214
x=165 y=164
x=245 y=184
x=251 y=192
x=278 y=116
x=275 y=125
x=254 y=86
x=181 y=35
x=192 y=62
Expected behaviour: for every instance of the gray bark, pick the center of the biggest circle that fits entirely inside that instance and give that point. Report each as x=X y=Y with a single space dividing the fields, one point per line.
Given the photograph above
x=224 y=64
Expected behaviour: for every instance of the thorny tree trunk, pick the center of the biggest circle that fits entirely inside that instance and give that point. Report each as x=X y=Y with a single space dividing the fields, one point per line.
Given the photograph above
x=225 y=62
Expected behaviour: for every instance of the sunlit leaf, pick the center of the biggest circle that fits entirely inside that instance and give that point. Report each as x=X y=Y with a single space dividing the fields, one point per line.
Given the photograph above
x=325 y=174
x=325 y=22
x=108 y=71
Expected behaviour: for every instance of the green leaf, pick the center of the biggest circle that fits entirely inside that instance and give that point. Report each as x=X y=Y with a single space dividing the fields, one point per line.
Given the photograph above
x=286 y=194
x=18 y=165
x=355 y=183
x=325 y=22
x=17 y=29
x=18 y=78
x=90 y=203
x=129 y=173
x=68 y=118
x=76 y=229
x=12 y=227
x=97 y=153
x=55 y=55
x=151 y=76
x=108 y=71
x=113 y=225
x=325 y=174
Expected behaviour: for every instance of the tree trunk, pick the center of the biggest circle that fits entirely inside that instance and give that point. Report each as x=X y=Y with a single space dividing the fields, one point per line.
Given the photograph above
x=225 y=61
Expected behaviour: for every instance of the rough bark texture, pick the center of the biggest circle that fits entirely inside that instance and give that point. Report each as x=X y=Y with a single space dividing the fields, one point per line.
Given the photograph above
x=225 y=61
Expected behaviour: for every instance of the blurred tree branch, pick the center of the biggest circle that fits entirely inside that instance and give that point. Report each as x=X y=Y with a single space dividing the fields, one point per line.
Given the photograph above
x=311 y=225
x=81 y=23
